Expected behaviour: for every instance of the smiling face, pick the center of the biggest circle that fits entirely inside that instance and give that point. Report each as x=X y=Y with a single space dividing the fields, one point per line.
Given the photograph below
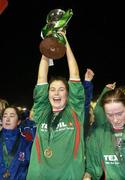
x=115 y=112
x=58 y=95
x=10 y=118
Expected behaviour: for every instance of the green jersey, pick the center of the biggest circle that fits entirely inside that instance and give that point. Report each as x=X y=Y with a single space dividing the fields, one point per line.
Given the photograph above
x=58 y=154
x=105 y=152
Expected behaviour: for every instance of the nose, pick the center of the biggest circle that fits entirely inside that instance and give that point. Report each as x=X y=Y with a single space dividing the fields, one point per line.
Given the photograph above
x=7 y=119
x=115 y=119
x=56 y=92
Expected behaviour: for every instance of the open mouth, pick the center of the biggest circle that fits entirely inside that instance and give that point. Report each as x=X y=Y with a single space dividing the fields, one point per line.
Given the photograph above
x=118 y=126
x=57 y=99
x=7 y=124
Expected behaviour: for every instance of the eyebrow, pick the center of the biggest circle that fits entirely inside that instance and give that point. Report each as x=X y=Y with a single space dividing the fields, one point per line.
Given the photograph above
x=115 y=113
x=10 y=114
x=59 y=87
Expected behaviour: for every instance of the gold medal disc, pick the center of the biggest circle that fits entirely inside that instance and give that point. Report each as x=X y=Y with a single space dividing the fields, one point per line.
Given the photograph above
x=48 y=152
x=6 y=175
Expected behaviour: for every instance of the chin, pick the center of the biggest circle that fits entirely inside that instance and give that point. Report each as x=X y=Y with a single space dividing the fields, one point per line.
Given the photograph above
x=118 y=127
x=7 y=127
x=57 y=108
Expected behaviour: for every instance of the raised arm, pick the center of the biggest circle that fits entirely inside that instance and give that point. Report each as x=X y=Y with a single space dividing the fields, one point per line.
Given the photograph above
x=43 y=70
x=88 y=86
x=72 y=64
x=39 y=95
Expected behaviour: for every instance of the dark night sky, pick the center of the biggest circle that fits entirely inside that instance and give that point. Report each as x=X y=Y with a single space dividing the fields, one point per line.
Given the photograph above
x=96 y=35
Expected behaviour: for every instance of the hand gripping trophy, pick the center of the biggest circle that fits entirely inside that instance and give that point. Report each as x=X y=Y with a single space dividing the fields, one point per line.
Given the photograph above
x=53 y=43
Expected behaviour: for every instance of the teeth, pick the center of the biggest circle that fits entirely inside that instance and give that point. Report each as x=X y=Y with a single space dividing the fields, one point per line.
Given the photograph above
x=56 y=98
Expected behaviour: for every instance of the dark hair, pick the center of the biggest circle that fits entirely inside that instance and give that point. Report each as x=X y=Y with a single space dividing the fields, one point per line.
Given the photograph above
x=115 y=95
x=59 y=78
x=3 y=103
x=18 y=112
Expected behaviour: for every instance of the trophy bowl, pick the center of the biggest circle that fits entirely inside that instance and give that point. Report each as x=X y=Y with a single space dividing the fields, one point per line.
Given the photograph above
x=52 y=48
x=53 y=43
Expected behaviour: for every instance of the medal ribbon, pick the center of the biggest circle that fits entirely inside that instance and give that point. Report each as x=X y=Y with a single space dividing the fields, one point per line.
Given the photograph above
x=52 y=124
x=9 y=156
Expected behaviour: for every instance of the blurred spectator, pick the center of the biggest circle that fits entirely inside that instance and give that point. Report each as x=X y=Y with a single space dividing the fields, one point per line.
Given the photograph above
x=15 y=146
x=3 y=105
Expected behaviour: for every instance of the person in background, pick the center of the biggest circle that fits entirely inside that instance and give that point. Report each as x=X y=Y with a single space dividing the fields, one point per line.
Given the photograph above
x=58 y=148
x=15 y=146
x=96 y=114
x=3 y=105
x=105 y=148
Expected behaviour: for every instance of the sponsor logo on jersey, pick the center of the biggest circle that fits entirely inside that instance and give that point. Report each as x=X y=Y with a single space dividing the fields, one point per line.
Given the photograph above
x=60 y=127
x=111 y=159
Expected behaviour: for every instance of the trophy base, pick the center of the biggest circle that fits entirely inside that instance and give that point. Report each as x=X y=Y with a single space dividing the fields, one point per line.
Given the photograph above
x=52 y=48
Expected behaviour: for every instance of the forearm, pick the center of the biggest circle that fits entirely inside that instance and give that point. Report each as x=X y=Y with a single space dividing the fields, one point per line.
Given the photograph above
x=72 y=64
x=43 y=70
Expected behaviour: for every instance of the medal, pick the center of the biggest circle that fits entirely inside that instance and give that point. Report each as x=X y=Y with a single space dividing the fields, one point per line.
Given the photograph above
x=48 y=152
x=6 y=174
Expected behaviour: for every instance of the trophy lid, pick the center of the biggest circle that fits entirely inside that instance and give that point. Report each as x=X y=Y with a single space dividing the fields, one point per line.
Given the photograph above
x=55 y=15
